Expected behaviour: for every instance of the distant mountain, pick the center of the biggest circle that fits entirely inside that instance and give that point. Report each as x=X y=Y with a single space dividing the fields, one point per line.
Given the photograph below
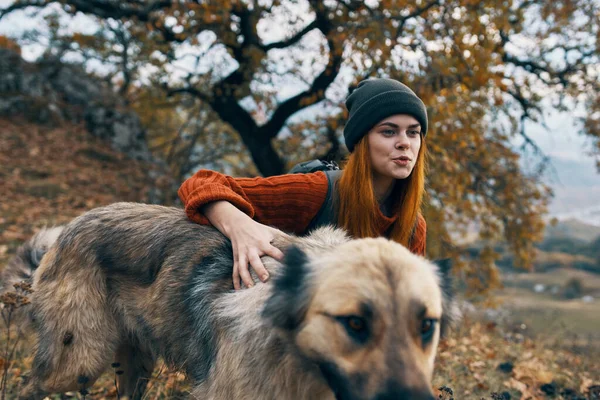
x=576 y=185
x=574 y=228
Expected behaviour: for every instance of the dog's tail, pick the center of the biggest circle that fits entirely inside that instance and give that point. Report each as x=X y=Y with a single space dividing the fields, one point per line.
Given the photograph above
x=22 y=267
x=29 y=255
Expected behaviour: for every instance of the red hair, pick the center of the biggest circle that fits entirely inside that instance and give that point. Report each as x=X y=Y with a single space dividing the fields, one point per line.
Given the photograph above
x=358 y=207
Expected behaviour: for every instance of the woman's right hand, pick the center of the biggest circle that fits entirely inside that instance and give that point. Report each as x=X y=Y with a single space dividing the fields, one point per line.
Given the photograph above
x=250 y=240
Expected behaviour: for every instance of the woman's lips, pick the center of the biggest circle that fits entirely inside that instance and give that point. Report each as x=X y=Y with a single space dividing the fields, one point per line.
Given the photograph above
x=401 y=161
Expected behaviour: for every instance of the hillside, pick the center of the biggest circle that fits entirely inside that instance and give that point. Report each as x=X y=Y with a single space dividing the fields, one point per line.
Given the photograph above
x=68 y=143
x=573 y=228
x=50 y=174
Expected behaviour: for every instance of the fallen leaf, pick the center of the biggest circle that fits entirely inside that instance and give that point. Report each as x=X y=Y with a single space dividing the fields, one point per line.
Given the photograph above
x=532 y=371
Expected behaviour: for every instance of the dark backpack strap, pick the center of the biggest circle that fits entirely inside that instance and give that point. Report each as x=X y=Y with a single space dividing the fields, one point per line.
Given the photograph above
x=307 y=167
x=327 y=215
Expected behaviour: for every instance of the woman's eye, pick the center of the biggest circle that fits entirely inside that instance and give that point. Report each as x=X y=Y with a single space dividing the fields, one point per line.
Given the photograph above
x=389 y=132
x=414 y=133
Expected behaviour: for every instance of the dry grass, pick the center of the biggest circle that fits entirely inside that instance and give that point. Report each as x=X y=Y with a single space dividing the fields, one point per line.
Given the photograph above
x=479 y=360
x=485 y=358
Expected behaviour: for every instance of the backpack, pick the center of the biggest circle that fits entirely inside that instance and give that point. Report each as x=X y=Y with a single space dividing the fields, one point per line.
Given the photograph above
x=327 y=215
x=314 y=166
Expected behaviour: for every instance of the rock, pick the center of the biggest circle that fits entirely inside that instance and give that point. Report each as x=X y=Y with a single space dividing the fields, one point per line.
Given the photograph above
x=539 y=288
x=549 y=388
x=506 y=367
x=50 y=91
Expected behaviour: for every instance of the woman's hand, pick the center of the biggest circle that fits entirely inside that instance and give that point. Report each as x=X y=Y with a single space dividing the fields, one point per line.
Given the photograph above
x=250 y=240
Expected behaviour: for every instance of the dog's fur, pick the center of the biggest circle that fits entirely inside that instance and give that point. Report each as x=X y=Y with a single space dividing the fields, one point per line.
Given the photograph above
x=28 y=257
x=129 y=283
x=21 y=267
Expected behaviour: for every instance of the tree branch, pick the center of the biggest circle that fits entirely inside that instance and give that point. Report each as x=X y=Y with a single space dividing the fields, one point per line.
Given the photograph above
x=333 y=154
x=242 y=76
x=189 y=90
x=19 y=5
x=118 y=10
x=309 y=97
x=417 y=12
x=291 y=41
x=316 y=92
x=525 y=106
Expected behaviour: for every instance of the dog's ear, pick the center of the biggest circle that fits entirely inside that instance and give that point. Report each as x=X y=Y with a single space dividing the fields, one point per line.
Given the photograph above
x=289 y=299
x=450 y=311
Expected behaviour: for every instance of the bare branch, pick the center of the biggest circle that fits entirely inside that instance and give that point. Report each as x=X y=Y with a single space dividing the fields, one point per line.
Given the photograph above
x=291 y=41
x=526 y=106
x=417 y=12
x=118 y=10
x=334 y=151
x=19 y=5
x=123 y=39
x=311 y=96
x=241 y=77
x=189 y=90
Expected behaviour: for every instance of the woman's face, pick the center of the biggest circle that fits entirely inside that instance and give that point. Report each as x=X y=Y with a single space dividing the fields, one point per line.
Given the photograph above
x=394 y=145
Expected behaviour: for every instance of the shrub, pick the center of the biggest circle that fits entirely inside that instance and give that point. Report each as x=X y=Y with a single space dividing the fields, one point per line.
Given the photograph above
x=573 y=288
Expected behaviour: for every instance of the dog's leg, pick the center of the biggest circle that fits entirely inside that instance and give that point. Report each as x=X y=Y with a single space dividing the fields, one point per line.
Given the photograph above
x=136 y=366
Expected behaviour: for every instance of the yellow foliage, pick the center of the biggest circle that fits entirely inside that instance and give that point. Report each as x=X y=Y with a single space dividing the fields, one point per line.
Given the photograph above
x=7 y=43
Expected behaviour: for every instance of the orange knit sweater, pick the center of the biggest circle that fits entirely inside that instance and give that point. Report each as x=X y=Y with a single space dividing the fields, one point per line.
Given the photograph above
x=287 y=202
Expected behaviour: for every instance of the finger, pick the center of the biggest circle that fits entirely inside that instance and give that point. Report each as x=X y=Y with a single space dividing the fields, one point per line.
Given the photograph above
x=277 y=234
x=236 y=276
x=274 y=252
x=244 y=273
x=259 y=268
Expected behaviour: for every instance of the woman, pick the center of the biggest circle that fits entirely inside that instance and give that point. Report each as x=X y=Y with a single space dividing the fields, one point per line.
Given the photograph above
x=379 y=192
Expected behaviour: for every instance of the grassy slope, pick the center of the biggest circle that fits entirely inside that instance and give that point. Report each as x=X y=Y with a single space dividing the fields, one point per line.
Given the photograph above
x=50 y=175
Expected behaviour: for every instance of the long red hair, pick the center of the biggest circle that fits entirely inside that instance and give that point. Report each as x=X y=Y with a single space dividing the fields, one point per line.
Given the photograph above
x=357 y=207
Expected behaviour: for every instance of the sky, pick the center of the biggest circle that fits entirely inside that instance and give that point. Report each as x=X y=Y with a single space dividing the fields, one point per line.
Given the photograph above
x=573 y=175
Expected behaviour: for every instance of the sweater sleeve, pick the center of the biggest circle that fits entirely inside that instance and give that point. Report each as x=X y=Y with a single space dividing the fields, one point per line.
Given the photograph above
x=287 y=202
x=419 y=240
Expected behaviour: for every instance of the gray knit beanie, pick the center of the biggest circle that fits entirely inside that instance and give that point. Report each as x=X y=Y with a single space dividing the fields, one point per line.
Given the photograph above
x=376 y=99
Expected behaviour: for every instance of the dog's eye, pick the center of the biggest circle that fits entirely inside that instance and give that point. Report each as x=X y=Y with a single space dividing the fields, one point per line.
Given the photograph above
x=357 y=324
x=427 y=329
x=356 y=327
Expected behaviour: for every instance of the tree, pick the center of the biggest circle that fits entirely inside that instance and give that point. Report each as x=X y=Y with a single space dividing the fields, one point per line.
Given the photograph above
x=484 y=68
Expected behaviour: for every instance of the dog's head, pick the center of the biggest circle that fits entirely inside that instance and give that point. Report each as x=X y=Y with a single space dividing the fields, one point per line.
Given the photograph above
x=368 y=313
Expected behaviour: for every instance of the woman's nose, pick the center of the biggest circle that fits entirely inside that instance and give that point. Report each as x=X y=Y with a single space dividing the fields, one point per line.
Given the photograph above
x=402 y=142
